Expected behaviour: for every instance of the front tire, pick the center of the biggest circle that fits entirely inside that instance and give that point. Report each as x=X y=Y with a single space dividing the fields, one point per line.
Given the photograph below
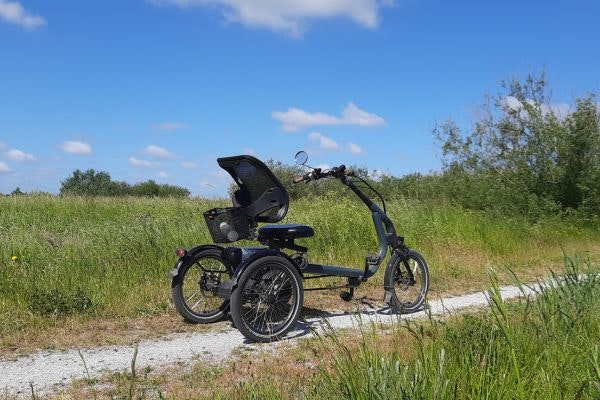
x=268 y=299
x=408 y=295
x=193 y=289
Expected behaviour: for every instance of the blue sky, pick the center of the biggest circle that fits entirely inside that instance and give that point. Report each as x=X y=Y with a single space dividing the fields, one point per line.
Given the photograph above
x=158 y=89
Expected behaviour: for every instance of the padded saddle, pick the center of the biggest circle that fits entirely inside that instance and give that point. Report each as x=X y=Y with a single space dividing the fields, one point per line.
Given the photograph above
x=285 y=231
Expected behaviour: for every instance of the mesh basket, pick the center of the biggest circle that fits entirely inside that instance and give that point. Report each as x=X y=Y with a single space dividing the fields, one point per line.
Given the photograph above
x=227 y=225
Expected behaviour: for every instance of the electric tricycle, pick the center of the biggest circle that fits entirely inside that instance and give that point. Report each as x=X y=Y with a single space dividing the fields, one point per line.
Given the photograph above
x=263 y=286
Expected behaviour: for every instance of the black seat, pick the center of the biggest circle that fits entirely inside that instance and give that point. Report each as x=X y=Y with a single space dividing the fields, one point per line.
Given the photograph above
x=286 y=231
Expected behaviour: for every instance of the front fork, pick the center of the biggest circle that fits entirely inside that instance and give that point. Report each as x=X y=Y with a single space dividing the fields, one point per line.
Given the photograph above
x=403 y=253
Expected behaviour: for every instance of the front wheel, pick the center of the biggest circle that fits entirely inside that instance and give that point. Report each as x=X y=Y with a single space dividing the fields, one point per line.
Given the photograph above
x=408 y=280
x=194 y=287
x=268 y=299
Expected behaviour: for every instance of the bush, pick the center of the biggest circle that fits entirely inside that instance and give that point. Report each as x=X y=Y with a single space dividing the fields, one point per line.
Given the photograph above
x=99 y=183
x=525 y=153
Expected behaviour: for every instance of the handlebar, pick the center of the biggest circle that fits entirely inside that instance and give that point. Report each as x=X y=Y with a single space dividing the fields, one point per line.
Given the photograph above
x=317 y=173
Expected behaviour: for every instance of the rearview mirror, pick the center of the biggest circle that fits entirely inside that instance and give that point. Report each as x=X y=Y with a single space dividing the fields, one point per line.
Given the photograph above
x=301 y=157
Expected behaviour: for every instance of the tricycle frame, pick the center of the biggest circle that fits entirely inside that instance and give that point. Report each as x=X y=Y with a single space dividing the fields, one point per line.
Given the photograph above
x=241 y=262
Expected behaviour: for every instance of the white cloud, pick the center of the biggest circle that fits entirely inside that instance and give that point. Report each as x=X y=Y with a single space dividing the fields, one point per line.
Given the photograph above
x=18 y=155
x=75 y=147
x=355 y=149
x=136 y=162
x=4 y=168
x=2 y=146
x=163 y=175
x=14 y=13
x=325 y=142
x=559 y=110
x=171 y=126
x=290 y=17
x=188 y=165
x=248 y=150
x=295 y=119
x=376 y=175
x=158 y=152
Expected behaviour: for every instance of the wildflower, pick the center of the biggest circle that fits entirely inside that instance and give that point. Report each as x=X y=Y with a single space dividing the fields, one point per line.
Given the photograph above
x=14 y=258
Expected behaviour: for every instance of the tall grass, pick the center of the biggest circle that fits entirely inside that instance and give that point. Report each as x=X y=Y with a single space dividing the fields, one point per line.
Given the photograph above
x=108 y=257
x=545 y=346
x=542 y=348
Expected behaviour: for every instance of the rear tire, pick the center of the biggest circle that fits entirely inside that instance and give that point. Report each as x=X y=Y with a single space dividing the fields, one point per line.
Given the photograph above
x=192 y=288
x=268 y=299
x=407 y=296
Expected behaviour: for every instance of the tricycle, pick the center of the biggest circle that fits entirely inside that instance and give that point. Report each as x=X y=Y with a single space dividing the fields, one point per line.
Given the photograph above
x=263 y=286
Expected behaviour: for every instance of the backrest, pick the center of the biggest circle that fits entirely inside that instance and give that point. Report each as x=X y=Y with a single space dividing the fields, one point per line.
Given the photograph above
x=259 y=189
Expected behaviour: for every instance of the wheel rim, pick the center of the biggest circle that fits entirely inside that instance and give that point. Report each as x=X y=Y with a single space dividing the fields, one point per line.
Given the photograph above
x=268 y=300
x=197 y=284
x=409 y=292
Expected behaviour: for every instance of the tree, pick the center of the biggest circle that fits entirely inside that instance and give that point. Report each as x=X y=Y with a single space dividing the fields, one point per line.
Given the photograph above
x=527 y=149
x=99 y=183
x=17 y=192
x=92 y=183
x=152 y=189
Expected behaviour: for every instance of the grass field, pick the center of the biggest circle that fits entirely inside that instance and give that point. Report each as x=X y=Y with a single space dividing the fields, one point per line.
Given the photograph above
x=75 y=261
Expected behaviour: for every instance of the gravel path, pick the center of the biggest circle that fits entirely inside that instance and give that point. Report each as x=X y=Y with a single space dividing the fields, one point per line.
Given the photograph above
x=51 y=370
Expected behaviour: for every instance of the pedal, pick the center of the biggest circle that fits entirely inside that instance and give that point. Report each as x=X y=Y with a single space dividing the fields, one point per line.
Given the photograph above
x=372 y=260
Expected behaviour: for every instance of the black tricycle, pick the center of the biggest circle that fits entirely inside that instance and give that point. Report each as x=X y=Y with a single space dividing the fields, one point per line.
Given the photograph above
x=264 y=286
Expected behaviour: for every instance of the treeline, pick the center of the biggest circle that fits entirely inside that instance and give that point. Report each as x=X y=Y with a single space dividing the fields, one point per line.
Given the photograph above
x=99 y=183
x=523 y=155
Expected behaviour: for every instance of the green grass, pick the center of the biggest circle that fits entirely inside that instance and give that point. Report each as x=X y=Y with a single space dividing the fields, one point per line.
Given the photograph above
x=542 y=347
x=108 y=257
x=547 y=348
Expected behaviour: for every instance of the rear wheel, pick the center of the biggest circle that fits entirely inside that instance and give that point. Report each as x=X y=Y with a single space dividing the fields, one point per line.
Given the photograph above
x=408 y=289
x=194 y=288
x=268 y=299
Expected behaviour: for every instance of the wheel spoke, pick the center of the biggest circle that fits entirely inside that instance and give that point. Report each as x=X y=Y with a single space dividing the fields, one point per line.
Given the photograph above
x=197 y=286
x=408 y=291
x=265 y=299
x=192 y=296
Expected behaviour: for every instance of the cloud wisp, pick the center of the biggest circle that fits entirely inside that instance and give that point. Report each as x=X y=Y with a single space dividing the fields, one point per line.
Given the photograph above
x=355 y=149
x=4 y=168
x=76 y=147
x=13 y=12
x=295 y=119
x=158 y=152
x=327 y=143
x=188 y=165
x=290 y=17
x=20 y=156
x=171 y=126
x=139 y=163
